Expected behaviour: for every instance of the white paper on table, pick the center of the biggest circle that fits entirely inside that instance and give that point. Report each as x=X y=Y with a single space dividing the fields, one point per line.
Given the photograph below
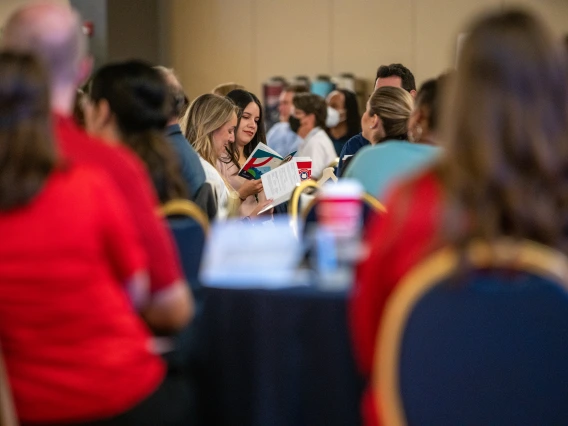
x=242 y=254
x=278 y=184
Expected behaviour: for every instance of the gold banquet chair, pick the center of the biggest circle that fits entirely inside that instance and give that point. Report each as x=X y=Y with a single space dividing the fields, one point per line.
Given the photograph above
x=190 y=227
x=182 y=207
x=334 y=163
x=294 y=207
x=374 y=204
x=484 y=344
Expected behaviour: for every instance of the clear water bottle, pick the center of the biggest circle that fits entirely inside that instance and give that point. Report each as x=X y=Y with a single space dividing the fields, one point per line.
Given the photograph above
x=337 y=237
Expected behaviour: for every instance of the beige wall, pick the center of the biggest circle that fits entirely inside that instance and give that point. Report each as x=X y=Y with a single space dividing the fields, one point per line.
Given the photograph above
x=247 y=41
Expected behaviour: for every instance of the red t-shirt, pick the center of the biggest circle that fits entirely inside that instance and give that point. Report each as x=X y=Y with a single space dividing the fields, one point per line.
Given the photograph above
x=397 y=241
x=75 y=349
x=133 y=182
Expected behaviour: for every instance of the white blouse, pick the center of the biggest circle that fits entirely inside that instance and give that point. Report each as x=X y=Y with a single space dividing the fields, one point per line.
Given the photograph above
x=228 y=200
x=318 y=146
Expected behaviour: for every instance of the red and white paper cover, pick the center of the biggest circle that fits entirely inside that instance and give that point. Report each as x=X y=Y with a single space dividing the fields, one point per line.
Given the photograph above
x=304 y=167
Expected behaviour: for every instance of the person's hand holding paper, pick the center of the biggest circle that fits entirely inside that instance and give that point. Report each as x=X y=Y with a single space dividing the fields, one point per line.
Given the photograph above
x=280 y=183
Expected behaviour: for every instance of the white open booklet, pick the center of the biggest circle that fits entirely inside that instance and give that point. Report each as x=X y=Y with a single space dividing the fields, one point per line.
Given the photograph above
x=279 y=183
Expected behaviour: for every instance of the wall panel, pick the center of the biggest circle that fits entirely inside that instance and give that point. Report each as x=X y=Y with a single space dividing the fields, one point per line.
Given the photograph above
x=437 y=25
x=248 y=41
x=211 y=43
x=291 y=37
x=367 y=34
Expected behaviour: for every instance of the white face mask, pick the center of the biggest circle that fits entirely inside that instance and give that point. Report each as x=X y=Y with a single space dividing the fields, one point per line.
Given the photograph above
x=333 y=117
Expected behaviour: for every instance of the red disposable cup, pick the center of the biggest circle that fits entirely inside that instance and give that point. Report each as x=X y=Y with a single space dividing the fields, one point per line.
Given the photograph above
x=340 y=208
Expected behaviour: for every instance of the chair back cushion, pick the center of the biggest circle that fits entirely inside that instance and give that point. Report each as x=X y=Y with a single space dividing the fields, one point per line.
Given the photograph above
x=190 y=240
x=489 y=351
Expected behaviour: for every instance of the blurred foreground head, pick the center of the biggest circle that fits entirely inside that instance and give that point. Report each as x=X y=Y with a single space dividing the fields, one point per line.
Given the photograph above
x=506 y=131
x=54 y=33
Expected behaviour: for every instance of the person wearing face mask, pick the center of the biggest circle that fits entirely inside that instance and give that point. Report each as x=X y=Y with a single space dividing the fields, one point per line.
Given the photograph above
x=308 y=121
x=249 y=132
x=211 y=123
x=390 y=156
x=343 y=119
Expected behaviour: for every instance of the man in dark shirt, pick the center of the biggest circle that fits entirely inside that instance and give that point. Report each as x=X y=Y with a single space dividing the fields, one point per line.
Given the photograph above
x=396 y=75
x=190 y=166
x=349 y=150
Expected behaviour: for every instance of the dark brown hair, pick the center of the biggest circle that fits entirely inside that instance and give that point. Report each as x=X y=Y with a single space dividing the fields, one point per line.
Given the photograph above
x=78 y=108
x=242 y=98
x=179 y=102
x=505 y=126
x=27 y=151
x=312 y=104
x=398 y=70
x=138 y=97
x=430 y=97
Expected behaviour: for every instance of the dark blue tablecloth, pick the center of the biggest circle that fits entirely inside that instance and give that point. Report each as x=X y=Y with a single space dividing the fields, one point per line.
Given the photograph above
x=275 y=358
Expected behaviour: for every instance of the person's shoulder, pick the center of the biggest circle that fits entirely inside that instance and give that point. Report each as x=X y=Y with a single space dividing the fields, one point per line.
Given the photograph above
x=361 y=159
x=93 y=149
x=421 y=152
x=323 y=138
x=355 y=143
x=211 y=171
x=363 y=151
x=388 y=147
x=176 y=138
x=400 y=146
x=433 y=149
x=272 y=131
x=321 y=133
x=129 y=161
x=394 y=144
x=280 y=126
x=81 y=179
x=422 y=147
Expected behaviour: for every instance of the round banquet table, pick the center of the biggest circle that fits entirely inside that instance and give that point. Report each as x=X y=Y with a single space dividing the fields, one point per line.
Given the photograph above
x=275 y=358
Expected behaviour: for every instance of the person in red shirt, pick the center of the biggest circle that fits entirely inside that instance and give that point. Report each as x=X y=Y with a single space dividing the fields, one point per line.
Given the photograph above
x=72 y=273
x=53 y=32
x=504 y=173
